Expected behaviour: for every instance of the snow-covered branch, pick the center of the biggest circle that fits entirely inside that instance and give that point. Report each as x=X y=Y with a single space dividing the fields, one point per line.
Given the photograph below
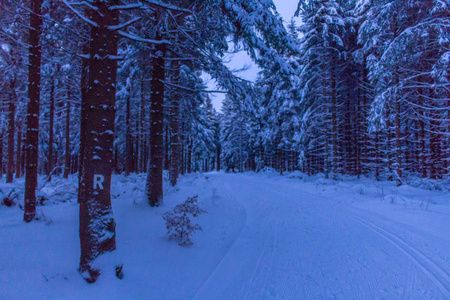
x=143 y=40
x=80 y=15
x=124 y=25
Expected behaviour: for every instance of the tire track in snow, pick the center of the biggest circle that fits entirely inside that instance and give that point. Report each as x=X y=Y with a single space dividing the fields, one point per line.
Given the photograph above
x=435 y=273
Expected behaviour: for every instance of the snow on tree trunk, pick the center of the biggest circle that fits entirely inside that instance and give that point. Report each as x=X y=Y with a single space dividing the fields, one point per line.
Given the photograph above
x=97 y=226
x=34 y=91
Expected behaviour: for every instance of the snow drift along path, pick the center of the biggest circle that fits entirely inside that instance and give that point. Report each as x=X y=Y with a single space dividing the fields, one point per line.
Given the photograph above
x=264 y=237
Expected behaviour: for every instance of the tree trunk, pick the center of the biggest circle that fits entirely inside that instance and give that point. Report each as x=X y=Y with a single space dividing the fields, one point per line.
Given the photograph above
x=167 y=147
x=84 y=102
x=365 y=99
x=183 y=167
x=389 y=148
x=218 y=153
x=128 y=138
x=136 y=147
x=174 y=130
x=142 y=151
x=34 y=90
x=334 y=124
x=1 y=151
x=422 y=147
x=11 y=131
x=435 y=143
x=347 y=146
x=327 y=125
x=19 y=151
x=116 y=158
x=398 y=133
x=97 y=226
x=189 y=157
x=67 y=152
x=359 y=134
x=448 y=135
x=51 y=127
x=155 y=172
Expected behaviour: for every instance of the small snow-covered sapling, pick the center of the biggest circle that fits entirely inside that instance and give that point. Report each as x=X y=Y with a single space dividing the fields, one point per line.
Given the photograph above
x=179 y=224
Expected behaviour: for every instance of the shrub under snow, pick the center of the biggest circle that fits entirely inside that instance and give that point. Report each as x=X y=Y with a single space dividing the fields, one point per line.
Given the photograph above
x=179 y=224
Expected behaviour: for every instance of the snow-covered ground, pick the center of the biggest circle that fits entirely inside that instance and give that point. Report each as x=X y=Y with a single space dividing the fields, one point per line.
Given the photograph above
x=265 y=236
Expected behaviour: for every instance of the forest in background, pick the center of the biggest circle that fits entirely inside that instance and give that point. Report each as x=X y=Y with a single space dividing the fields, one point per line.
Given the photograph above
x=368 y=94
x=95 y=87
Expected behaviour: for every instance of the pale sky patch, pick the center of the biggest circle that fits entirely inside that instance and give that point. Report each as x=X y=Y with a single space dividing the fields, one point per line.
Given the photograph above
x=286 y=8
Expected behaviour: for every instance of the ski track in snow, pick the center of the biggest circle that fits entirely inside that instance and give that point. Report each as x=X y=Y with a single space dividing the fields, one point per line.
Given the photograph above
x=263 y=238
x=430 y=268
x=384 y=266
x=426 y=264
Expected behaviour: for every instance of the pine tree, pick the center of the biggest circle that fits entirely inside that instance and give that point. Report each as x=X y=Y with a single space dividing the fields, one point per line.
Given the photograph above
x=155 y=171
x=97 y=226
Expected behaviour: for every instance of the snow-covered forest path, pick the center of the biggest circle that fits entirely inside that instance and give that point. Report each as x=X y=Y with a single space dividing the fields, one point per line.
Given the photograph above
x=264 y=236
x=296 y=244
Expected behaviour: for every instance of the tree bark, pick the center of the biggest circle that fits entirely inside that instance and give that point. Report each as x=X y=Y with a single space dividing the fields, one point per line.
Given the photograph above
x=1 y=151
x=84 y=85
x=67 y=150
x=183 y=165
x=398 y=133
x=166 y=141
x=422 y=146
x=51 y=127
x=11 y=131
x=155 y=172
x=377 y=155
x=355 y=140
x=334 y=123
x=34 y=90
x=136 y=148
x=128 y=138
x=174 y=130
x=218 y=153
x=143 y=148
x=189 y=156
x=19 y=151
x=97 y=225
x=388 y=144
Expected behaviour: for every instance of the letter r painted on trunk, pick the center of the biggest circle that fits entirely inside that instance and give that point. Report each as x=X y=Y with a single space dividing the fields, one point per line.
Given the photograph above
x=98 y=181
